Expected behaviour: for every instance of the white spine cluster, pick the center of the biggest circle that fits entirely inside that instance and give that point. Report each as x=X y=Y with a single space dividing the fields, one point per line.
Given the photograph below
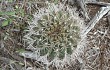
x=54 y=35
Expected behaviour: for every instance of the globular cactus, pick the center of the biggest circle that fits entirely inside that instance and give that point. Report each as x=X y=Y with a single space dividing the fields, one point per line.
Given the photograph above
x=54 y=33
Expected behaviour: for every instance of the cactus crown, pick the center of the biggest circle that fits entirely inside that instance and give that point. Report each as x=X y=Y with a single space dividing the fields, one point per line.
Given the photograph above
x=54 y=32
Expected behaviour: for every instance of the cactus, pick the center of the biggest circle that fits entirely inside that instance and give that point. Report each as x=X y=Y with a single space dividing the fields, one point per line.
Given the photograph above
x=54 y=33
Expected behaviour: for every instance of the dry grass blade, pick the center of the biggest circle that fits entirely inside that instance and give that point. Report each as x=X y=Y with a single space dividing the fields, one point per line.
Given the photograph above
x=83 y=7
x=98 y=3
x=96 y=18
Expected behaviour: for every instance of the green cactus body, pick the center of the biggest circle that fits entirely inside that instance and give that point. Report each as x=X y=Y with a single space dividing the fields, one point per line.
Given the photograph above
x=55 y=32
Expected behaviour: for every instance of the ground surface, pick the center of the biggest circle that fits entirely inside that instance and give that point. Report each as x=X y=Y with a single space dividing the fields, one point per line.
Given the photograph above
x=11 y=35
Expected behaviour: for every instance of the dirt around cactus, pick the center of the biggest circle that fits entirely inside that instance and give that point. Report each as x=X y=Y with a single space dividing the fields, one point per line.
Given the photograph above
x=11 y=35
